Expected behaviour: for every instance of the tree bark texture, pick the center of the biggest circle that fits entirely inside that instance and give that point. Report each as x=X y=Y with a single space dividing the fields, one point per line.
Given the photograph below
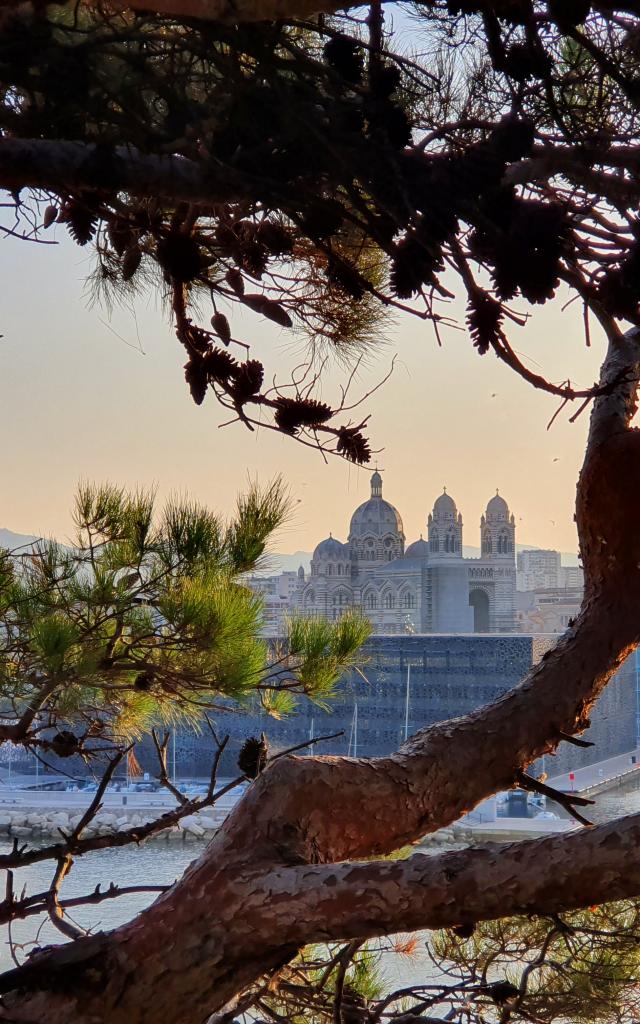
x=279 y=874
x=234 y=11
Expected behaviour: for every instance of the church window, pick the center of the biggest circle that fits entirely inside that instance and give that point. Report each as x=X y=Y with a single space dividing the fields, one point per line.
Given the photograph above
x=433 y=541
x=329 y=570
x=371 y=601
x=389 y=600
x=311 y=597
x=339 y=570
x=487 y=546
x=408 y=600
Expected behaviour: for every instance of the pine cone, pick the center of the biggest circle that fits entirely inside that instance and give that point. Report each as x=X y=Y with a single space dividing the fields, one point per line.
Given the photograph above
x=179 y=257
x=219 y=365
x=131 y=261
x=294 y=413
x=195 y=374
x=120 y=235
x=143 y=682
x=81 y=219
x=344 y=55
x=221 y=326
x=513 y=137
x=253 y=755
x=484 y=317
x=275 y=238
x=247 y=380
x=353 y=445
x=65 y=744
x=346 y=277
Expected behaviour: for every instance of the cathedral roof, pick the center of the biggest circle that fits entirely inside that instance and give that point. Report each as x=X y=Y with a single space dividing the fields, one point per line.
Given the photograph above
x=419 y=549
x=497 y=507
x=376 y=516
x=331 y=549
x=444 y=505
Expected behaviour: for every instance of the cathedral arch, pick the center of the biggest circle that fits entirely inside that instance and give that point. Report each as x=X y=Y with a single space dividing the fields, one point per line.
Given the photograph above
x=370 y=600
x=388 y=600
x=479 y=601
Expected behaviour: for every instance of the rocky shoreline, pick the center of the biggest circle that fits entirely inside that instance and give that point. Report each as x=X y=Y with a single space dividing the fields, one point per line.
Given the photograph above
x=47 y=823
x=44 y=823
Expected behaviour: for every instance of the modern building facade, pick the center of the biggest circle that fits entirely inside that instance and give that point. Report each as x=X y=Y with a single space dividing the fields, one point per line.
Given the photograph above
x=408 y=682
x=425 y=587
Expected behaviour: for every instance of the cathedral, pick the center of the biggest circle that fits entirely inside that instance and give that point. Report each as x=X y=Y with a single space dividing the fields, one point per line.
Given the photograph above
x=427 y=587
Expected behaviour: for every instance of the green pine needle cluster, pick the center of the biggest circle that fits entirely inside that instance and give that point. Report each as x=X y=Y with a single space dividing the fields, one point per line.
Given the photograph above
x=149 y=619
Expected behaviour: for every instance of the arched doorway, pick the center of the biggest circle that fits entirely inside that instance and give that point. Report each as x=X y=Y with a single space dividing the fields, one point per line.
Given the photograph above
x=479 y=601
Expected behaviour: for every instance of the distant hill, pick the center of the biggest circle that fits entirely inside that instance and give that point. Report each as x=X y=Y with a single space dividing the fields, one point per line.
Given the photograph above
x=278 y=562
x=11 y=540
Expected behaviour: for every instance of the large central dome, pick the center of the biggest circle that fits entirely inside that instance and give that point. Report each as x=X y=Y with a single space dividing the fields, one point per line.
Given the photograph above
x=375 y=517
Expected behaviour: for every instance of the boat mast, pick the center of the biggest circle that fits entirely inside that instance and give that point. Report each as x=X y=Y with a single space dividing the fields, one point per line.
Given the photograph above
x=406 y=704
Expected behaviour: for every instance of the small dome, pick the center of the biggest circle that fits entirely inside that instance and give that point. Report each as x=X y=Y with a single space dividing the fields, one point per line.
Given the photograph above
x=376 y=516
x=444 y=505
x=497 y=507
x=330 y=550
x=419 y=549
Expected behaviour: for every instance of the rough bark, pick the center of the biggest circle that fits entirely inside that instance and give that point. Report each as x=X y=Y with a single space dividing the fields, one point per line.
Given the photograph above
x=61 y=165
x=198 y=945
x=271 y=880
x=234 y=11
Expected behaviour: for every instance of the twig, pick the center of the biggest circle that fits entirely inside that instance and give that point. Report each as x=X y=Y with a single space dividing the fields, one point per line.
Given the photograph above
x=566 y=800
x=568 y=738
x=55 y=911
x=163 y=777
x=96 y=803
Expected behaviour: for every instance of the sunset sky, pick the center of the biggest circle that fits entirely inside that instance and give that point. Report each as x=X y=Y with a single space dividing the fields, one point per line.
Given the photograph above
x=86 y=395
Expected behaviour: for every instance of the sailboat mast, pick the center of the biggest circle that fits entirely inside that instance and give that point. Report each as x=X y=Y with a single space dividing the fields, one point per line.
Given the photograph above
x=406 y=704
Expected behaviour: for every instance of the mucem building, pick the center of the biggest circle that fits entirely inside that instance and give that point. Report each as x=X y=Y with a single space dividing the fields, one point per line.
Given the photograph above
x=410 y=681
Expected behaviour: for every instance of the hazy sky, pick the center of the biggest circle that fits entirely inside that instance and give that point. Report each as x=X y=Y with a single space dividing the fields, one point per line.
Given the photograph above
x=79 y=402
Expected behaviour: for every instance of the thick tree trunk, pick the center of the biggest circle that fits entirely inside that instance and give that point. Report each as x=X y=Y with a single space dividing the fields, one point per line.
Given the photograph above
x=275 y=878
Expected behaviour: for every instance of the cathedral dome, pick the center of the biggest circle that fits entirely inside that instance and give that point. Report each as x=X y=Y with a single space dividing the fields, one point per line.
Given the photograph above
x=419 y=549
x=376 y=517
x=497 y=507
x=331 y=549
x=444 y=505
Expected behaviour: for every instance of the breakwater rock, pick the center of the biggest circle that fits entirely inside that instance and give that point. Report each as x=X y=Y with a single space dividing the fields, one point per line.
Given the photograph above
x=24 y=823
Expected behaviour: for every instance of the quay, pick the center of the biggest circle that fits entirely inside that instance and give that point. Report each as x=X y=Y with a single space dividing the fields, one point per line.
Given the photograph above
x=599 y=777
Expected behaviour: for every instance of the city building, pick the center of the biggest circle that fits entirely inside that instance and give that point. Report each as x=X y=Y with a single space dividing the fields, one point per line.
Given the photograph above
x=547 y=611
x=425 y=587
x=541 y=569
x=279 y=599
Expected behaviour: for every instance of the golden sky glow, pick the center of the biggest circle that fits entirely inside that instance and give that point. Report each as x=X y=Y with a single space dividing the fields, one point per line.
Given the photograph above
x=79 y=401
